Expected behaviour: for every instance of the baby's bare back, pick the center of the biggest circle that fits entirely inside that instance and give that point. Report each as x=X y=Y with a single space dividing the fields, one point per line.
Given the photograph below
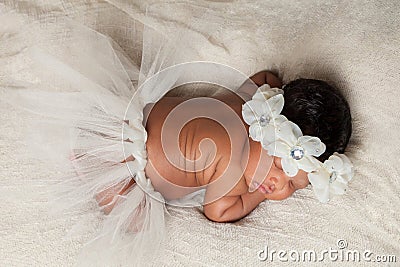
x=189 y=140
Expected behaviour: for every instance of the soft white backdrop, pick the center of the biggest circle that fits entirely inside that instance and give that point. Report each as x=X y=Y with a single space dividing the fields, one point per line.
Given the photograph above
x=353 y=45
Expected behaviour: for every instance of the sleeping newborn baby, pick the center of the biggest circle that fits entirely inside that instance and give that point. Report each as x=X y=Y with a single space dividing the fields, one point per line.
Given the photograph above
x=247 y=146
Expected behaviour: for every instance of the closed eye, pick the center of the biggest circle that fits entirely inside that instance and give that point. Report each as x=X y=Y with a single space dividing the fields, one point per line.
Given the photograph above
x=277 y=163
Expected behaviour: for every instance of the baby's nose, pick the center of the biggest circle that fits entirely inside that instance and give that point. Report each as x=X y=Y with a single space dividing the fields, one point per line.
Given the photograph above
x=278 y=181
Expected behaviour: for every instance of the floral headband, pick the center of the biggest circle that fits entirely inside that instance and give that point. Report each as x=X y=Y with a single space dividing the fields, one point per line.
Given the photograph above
x=283 y=138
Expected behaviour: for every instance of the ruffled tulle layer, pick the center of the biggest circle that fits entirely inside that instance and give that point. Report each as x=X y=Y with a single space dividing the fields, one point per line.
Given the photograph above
x=89 y=98
x=85 y=128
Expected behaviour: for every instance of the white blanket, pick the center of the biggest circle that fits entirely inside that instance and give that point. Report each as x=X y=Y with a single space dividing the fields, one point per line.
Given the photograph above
x=353 y=45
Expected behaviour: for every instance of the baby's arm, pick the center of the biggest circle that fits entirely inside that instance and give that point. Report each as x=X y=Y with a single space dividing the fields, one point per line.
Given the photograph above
x=233 y=208
x=236 y=202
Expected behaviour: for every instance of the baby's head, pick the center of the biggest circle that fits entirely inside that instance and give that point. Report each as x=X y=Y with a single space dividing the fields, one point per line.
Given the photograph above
x=319 y=110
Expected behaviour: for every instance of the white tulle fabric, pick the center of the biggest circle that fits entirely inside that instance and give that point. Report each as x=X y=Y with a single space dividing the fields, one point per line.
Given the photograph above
x=84 y=128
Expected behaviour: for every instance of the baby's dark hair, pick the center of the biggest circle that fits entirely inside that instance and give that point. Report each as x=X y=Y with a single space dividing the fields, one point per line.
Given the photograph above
x=319 y=110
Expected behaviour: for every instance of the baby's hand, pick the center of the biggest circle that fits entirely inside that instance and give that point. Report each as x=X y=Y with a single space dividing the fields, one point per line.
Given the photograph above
x=247 y=89
x=273 y=80
x=266 y=77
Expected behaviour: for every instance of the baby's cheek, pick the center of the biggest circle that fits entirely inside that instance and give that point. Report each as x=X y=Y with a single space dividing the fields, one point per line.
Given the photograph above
x=284 y=194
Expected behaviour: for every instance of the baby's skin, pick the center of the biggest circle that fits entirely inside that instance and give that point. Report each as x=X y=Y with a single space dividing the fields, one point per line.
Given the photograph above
x=196 y=143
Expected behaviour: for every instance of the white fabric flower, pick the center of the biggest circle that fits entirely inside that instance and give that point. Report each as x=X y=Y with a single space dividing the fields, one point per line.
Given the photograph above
x=296 y=150
x=331 y=177
x=267 y=92
x=284 y=139
x=262 y=114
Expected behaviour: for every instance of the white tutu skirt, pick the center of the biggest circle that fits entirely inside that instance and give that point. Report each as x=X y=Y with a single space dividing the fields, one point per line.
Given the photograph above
x=89 y=98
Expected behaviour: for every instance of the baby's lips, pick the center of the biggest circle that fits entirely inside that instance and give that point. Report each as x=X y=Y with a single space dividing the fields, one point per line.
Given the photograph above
x=256 y=186
x=264 y=189
x=261 y=187
x=271 y=188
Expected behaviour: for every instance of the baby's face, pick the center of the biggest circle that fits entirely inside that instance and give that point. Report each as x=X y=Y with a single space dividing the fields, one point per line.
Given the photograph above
x=278 y=186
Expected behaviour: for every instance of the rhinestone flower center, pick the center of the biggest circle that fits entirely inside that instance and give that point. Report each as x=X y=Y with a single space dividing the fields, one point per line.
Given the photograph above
x=297 y=152
x=333 y=177
x=264 y=120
